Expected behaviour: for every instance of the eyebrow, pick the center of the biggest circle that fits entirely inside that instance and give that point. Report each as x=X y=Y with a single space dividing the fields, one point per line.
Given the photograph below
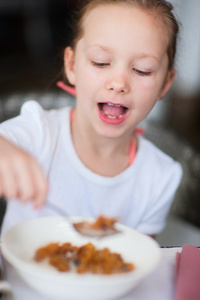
x=140 y=56
x=104 y=48
x=146 y=55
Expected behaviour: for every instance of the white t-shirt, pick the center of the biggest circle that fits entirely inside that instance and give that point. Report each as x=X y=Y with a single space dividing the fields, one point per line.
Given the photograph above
x=141 y=195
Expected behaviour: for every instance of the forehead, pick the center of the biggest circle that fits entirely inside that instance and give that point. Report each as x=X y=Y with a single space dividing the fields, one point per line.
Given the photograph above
x=111 y=22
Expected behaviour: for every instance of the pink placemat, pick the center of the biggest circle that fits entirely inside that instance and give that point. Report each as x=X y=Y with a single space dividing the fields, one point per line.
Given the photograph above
x=187 y=274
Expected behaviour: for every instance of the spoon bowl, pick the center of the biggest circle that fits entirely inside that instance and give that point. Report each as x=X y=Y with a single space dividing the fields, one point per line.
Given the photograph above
x=100 y=228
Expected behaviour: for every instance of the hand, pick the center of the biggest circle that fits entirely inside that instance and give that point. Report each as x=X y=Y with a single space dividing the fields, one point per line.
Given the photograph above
x=21 y=176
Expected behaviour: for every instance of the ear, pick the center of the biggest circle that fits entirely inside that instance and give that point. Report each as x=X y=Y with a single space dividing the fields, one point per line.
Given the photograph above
x=167 y=84
x=69 y=65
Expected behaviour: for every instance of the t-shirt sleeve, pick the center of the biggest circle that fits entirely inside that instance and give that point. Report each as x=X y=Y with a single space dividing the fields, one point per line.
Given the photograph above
x=28 y=129
x=163 y=194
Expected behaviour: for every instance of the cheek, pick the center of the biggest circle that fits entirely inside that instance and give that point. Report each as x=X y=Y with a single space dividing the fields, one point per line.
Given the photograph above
x=148 y=84
x=81 y=77
x=150 y=90
x=146 y=98
x=85 y=88
x=144 y=107
x=87 y=81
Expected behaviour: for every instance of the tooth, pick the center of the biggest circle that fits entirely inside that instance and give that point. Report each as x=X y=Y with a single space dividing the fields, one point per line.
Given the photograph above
x=111 y=117
x=117 y=105
x=110 y=104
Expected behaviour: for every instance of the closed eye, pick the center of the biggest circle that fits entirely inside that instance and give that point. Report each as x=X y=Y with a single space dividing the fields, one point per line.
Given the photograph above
x=99 y=64
x=142 y=73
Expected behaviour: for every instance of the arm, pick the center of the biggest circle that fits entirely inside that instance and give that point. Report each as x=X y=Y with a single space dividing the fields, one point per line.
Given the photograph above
x=20 y=175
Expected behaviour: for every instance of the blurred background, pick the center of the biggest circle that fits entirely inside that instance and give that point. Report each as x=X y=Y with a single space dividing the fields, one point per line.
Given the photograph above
x=33 y=35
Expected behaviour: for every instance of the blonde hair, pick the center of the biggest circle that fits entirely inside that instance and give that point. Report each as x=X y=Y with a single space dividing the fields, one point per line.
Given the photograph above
x=160 y=8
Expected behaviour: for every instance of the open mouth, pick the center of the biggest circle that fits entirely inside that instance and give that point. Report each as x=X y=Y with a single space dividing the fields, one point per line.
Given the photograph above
x=112 y=111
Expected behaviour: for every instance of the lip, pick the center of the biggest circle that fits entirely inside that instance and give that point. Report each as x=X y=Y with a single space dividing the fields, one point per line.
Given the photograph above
x=112 y=121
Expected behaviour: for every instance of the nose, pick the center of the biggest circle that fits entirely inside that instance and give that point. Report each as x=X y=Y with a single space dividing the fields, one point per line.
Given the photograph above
x=118 y=84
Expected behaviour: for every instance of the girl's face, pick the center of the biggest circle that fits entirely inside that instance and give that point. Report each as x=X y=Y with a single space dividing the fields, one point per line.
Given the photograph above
x=119 y=68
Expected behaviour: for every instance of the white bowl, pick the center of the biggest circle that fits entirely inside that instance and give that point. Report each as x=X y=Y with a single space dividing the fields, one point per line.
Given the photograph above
x=21 y=241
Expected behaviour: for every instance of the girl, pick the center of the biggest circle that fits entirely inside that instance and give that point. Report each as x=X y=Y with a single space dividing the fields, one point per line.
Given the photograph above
x=88 y=161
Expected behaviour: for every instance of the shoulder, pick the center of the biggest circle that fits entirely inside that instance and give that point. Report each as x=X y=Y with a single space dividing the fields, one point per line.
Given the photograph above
x=35 y=127
x=156 y=161
x=36 y=111
x=33 y=114
x=44 y=124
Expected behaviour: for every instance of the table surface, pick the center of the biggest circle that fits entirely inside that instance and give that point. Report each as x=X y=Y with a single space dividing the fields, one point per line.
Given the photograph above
x=158 y=285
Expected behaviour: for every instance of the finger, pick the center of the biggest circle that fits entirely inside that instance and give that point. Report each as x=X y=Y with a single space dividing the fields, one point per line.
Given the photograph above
x=8 y=181
x=24 y=179
x=40 y=185
x=1 y=190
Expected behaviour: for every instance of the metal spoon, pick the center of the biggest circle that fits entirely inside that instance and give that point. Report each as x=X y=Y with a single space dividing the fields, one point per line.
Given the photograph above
x=102 y=227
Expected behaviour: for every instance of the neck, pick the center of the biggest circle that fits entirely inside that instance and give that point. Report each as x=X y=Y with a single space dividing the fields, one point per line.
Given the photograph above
x=104 y=156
